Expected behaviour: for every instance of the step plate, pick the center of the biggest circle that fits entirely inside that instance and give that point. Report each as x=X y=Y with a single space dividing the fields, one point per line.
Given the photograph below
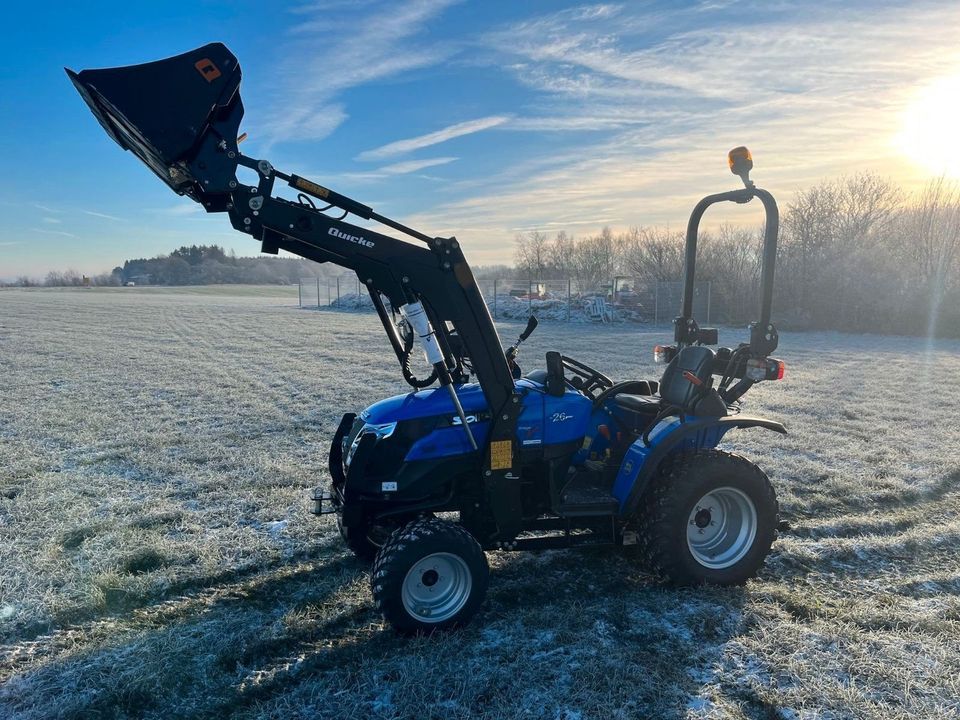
x=587 y=494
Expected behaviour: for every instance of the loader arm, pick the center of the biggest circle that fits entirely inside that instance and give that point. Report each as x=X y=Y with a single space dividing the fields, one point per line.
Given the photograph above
x=181 y=117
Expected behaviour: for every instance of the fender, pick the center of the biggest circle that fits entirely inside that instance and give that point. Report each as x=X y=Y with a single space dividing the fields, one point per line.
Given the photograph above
x=641 y=462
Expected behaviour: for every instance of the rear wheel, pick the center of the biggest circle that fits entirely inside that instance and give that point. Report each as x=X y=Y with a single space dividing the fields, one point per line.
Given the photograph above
x=429 y=575
x=710 y=517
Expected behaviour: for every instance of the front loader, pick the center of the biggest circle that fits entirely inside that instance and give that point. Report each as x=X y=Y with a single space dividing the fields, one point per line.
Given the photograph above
x=478 y=457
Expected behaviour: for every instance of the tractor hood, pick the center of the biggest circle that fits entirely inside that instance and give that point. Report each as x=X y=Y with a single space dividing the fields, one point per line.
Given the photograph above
x=432 y=402
x=426 y=403
x=170 y=111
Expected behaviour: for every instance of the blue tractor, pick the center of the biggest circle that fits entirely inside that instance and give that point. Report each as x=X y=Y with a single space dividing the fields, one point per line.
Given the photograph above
x=478 y=456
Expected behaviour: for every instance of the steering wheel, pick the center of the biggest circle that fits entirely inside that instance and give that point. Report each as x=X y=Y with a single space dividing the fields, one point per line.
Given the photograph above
x=585 y=379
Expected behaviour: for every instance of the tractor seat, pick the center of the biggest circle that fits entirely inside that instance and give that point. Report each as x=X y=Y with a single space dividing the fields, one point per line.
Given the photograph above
x=638 y=403
x=675 y=391
x=635 y=412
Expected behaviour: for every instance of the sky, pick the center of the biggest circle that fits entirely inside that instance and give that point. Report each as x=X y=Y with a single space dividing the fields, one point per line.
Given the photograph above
x=480 y=119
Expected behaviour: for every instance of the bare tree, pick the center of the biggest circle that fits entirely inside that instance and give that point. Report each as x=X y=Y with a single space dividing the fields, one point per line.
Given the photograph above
x=594 y=260
x=560 y=255
x=933 y=226
x=530 y=255
x=653 y=253
x=833 y=237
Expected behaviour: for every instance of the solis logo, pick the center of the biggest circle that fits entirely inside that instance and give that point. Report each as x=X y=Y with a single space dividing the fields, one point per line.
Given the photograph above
x=352 y=238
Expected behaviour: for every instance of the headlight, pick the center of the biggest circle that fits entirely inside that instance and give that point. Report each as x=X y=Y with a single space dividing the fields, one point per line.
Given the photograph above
x=382 y=431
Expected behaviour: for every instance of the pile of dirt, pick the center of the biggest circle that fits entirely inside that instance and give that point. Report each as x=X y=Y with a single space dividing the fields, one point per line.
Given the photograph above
x=581 y=309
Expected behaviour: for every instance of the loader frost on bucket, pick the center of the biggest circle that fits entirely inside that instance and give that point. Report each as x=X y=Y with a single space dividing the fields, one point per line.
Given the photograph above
x=558 y=457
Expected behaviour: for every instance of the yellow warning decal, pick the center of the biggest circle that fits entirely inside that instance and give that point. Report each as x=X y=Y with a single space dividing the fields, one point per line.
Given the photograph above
x=311 y=187
x=501 y=455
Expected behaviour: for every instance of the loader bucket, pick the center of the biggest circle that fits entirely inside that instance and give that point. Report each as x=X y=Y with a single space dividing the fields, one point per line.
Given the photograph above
x=177 y=115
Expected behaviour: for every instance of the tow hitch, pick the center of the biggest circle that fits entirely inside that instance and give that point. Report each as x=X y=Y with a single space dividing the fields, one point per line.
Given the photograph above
x=324 y=503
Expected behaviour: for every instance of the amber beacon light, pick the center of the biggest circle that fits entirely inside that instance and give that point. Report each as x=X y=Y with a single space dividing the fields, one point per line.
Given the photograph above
x=741 y=163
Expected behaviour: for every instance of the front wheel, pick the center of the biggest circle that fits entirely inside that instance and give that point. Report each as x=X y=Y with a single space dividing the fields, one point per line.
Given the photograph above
x=358 y=540
x=429 y=575
x=710 y=517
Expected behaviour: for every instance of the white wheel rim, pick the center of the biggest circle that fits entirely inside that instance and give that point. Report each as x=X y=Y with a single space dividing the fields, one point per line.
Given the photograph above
x=721 y=528
x=437 y=587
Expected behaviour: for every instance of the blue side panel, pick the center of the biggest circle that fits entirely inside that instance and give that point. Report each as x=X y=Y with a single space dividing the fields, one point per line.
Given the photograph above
x=447 y=442
x=544 y=419
x=530 y=422
x=565 y=418
x=638 y=453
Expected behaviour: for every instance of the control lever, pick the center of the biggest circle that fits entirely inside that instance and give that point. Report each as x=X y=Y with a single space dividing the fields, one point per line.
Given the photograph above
x=511 y=352
x=532 y=323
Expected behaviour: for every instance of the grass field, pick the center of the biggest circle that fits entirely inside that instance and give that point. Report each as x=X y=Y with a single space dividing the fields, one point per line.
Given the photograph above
x=157 y=559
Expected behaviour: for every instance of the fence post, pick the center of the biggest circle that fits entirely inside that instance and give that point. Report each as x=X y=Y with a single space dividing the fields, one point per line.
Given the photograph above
x=568 y=299
x=300 y=293
x=656 y=301
x=358 y=292
x=328 y=292
x=338 y=291
x=709 y=288
x=495 y=299
x=529 y=297
x=318 y=292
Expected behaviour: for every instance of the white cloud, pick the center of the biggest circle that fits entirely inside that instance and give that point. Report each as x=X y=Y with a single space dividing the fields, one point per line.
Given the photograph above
x=51 y=220
x=413 y=165
x=54 y=232
x=101 y=215
x=331 y=52
x=400 y=147
x=400 y=168
x=815 y=93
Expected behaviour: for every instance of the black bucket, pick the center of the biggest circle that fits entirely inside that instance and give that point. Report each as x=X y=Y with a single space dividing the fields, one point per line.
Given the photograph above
x=180 y=116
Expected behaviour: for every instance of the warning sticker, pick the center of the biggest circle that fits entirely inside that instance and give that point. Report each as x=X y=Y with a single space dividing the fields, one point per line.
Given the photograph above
x=501 y=455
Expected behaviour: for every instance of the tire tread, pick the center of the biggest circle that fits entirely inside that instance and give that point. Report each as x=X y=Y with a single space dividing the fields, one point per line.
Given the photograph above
x=663 y=505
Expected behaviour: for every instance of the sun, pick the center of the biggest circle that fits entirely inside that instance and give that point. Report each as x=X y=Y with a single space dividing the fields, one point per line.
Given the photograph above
x=930 y=136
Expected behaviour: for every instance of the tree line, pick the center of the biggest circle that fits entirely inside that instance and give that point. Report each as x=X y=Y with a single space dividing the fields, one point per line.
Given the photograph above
x=192 y=265
x=857 y=253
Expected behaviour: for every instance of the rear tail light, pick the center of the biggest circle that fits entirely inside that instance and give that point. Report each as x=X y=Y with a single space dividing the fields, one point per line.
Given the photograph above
x=756 y=369
x=765 y=369
x=779 y=370
x=662 y=354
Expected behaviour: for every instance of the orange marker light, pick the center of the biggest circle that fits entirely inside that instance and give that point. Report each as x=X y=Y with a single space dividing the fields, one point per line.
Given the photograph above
x=740 y=159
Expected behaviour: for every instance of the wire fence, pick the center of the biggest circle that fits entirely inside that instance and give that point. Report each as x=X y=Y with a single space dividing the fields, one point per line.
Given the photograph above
x=621 y=299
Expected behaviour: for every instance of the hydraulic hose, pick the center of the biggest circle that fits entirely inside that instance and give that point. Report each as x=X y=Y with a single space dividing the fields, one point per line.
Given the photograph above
x=405 y=370
x=416 y=316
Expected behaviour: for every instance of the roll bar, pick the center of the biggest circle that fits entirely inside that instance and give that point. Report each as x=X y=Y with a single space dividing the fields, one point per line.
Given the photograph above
x=763 y=334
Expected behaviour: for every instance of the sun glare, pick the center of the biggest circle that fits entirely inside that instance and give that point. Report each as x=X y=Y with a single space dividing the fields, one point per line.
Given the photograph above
x=930 y=136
